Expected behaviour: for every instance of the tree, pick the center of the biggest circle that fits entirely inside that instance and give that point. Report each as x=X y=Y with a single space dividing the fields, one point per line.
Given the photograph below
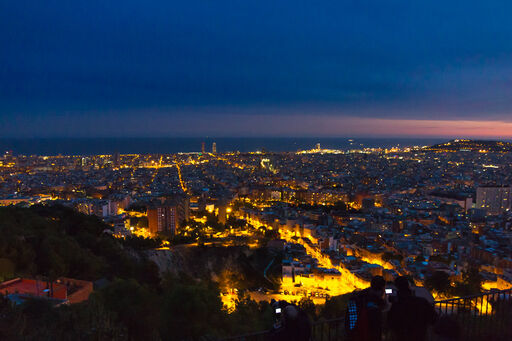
x=340 y=206
x=141 y=222
x=249 y=316
x=440 y=258
x=271 y=234
x=439 y=281
x=213 y=221
x=471 y=283
x=308 y=306
x=37 y=319
x=387 y=256
x=235 y=223
x=419 y=259
x=11 y=321
x=136 y=306
x=142 y=243
x=53 y=241
x=190 y=310
x=6 y=269
x=137 y=207
x=335 y=306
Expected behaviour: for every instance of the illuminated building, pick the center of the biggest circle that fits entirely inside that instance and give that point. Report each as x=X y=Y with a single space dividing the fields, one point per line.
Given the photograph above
x=163 y=219
x=495 y=200
x=8 y=156
x=202 y=148
x=267 y=163
x=64 y=290
x=168 y=216
x=222 y=212
x=214 y=148
x=116 y=160
x=100 y=208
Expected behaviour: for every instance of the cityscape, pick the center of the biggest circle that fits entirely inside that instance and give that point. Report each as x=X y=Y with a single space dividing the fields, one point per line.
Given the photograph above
x=255 y=170
x=323 y=222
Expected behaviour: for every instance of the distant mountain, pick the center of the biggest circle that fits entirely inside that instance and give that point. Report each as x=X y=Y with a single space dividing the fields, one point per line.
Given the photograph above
x=473 y=145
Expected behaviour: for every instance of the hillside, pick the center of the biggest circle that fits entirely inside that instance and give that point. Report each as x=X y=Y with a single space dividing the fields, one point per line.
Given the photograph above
x=231 y=267
x=138 y=302
x=473 y=145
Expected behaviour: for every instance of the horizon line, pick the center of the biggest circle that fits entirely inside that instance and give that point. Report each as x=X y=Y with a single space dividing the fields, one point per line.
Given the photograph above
x=257 y=137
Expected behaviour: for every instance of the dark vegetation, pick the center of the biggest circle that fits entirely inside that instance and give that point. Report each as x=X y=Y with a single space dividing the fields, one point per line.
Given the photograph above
x=139 y=222
x=474 y=145
x=197 y=231
x=55 y=241
x=340 y=207
x=141 y=243
x=388 y=256
x=471 y=283
x=136 y=304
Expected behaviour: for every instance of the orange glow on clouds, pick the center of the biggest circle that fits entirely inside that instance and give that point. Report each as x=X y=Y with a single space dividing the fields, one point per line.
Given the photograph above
x=402 y=127
x=264 y=124
x=330 y=125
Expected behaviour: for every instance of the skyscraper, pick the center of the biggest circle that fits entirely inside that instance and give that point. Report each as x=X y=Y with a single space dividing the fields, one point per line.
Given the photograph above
x=116 y=158
x=214 y=148
x=202 y=147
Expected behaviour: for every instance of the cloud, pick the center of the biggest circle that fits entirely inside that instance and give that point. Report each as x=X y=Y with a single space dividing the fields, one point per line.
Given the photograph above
x=251 y=124
x=98 y=61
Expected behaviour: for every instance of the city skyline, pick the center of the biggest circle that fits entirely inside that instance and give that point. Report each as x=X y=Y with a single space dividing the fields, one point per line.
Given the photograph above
x=256 y=69
x=255 y=170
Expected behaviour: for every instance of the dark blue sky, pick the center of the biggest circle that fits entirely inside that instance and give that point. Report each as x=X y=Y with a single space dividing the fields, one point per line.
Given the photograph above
x=255 y=68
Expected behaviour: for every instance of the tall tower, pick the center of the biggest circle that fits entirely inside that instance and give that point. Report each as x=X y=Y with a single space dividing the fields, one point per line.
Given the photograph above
x=116 y=159
x=214 y=148
x=318 y=146
x=202 y=147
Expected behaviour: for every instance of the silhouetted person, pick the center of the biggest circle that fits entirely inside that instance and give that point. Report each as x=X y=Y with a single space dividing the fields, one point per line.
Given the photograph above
x=292 y=323
x=363 y=319
x=409 y=316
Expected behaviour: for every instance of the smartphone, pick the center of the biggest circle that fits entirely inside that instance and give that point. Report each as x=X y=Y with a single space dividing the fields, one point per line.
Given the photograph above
x=389 y=291
x=278 y=321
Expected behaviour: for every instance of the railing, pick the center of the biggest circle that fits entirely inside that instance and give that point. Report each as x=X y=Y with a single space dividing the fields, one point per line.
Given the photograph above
x=485 y=316
x=327 y=330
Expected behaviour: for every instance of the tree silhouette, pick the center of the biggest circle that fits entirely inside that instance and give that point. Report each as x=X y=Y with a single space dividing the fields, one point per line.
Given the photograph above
x=439 y=281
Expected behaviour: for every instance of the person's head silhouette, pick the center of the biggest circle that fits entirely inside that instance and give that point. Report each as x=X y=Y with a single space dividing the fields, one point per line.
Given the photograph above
x=377 y=285
x=402 y=285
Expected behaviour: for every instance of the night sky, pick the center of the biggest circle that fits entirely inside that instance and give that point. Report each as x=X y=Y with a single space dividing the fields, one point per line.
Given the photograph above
x=255 y=68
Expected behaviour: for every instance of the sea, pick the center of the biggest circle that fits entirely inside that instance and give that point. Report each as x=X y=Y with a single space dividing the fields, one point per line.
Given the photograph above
x=98 y=146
